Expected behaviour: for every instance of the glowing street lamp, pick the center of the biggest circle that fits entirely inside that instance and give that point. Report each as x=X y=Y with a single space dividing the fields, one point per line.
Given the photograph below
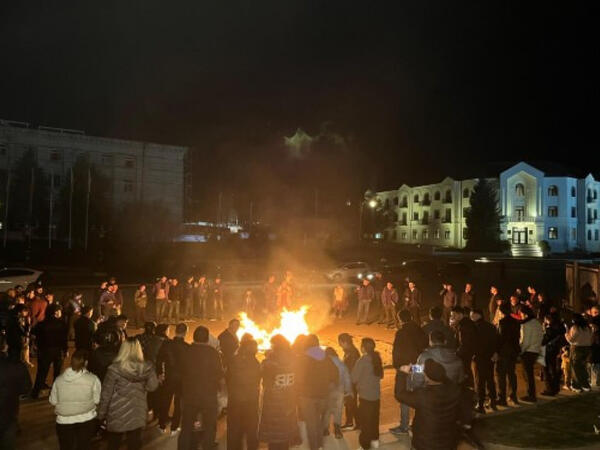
x=371 y=204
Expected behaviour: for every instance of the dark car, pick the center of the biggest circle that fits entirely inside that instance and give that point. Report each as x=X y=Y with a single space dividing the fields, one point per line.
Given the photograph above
x=418 y=270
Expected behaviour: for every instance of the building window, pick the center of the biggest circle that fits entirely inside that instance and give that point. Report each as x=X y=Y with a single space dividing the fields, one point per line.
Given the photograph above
x=436 y=233
x=448 y=216
x=589 y=235
x=520 y=190
x=448 y=196
x=595 y=235
x=416 y=198
x=447 y=234
x=425 y=217
x=573 y=234
x=552 y=211
x=595 y=194
x=130 y=163
x=553 y=191
x=55 y=155
x=415 y=216
x=396 y=201
x=106 y=159
x=573 y=211
x=465 y=212
x=573 y=191
x=465 y=233
x=437 y=195
x=415 y=235
x=387 y=203
x=128 y=186
x=403 y=218
x=425 y=234
x=436 y=213
x=404 y=202
x=56 y=180
x=426 y=199
x=552 y=233
x=403 y=235
x=466 y=193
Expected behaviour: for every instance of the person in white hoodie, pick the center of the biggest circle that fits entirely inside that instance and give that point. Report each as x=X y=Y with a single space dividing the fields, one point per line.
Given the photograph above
x=532 y=334
x=75 y=395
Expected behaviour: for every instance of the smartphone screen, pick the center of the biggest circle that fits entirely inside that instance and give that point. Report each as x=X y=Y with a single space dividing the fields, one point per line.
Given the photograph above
x=416 y=368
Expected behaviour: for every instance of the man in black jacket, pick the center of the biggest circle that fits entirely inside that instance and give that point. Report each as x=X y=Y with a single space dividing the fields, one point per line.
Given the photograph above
x=199 y=395
x=229 y=342
x=14 y=382
x=316 y=372
x=486 y=344
x=351 y=355
x=464 y=332
x=409 y=342
x=51 y=338
x=509 y=332
x=169 y=364
x=436 y=409
x=243 y=386
x=85 y=328
x=437 y=324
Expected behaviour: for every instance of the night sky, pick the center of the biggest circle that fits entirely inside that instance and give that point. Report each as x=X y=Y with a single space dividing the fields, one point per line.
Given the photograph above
x=415 y=90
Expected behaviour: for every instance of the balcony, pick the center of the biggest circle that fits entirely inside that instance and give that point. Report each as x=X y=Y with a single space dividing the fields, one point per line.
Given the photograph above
x=520 y=218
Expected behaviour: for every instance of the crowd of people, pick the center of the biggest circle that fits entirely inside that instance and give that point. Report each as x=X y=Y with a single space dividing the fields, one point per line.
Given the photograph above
x=460 y=361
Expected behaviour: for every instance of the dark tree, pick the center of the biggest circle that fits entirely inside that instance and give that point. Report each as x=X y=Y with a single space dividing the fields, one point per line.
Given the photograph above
x=378 y=218
x=483 y=219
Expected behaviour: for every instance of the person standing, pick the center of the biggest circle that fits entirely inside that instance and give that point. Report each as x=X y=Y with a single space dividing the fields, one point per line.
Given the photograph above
x=14 y=382
x=140 y=301
x=493 y=303
x=313 y=390
x=437 y=324
x=338 y=306
x=123 y=402
x=188 y=299
x=161 y=295
x=412 y=301
x=38 y=310
x=337 y=392
x=103 y=356
x=169 y=364
x=200 y=398
x=508 y=351
x=465 y=336
x=366 y=294
x=278 y=422
x=285 y=294
x=467 y=298
x=351 y=355
x=486 y=345
x=367 y=375
x=243 y=387
x=229 y=342
x=108 y=301
x=531 y=338
x=554 y=340
x=389 y=302
x=175 y=296
x=270 y=295
x=449 y=301
x=409 y=342
x=202 y=293
x=85 y=328
x=51 y=338
x=579 y=337
x=75 y=395
x=217 y=297
x=249 y=303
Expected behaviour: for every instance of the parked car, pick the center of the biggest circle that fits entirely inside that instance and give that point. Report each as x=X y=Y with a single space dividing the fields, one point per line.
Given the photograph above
x=413 y=269
x=14 y=276
x=351 y=271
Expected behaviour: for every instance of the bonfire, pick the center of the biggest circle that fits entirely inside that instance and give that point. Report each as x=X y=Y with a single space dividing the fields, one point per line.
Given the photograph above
x=291 y=325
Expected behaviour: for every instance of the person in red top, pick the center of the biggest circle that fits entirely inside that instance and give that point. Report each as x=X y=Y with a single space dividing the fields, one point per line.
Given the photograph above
x=38 y=310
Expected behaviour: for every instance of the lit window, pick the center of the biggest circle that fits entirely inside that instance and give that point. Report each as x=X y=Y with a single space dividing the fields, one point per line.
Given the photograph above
x=552 y=233
x=520 y=190
x=128 y=186
x=447 y=234
x=552 y=211
x=553 y=191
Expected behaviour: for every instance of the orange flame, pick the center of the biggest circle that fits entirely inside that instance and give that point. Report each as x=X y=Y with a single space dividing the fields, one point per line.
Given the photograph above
x=291 y=325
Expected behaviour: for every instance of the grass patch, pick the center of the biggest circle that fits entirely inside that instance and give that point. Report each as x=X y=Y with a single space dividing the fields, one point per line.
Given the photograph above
x=556 y=424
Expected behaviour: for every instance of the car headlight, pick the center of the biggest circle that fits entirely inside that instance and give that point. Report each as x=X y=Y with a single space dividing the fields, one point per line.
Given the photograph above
x=370 y=276
x=359 y=276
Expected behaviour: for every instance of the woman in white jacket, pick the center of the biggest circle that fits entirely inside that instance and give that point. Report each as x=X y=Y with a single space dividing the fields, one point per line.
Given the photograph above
x=75 y=395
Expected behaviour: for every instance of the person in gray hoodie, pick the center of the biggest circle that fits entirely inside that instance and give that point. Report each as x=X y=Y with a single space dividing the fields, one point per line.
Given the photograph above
x=337 y=392
x=123 y=399
x=75 y=395
x=439 y=351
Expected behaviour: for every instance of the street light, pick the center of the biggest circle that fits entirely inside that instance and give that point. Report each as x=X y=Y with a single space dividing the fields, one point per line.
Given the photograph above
x=372 y=204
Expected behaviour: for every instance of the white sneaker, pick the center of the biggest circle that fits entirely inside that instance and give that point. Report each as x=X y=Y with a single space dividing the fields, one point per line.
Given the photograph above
x=175 y=431
x=375 y=444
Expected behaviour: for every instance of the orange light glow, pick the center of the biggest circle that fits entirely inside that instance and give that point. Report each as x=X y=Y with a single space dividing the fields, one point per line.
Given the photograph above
x=291 y=325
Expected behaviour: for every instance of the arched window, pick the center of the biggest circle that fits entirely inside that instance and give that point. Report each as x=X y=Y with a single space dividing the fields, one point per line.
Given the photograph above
x=387 y=203
x=520 y=190
x=448 y=196
x=404 y=201
x=437 y=195
x=466 y=193
x=589 y=194
x=416 y=198
x=573 y=191
x=396 y=201
x=553 y=191
x=426 y=200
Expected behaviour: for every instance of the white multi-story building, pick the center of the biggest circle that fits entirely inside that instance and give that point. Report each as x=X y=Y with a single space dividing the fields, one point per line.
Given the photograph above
x=535 y=206
x=137 y=171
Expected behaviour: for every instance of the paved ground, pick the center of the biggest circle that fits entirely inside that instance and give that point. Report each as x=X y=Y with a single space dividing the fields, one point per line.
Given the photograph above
x=37 y=419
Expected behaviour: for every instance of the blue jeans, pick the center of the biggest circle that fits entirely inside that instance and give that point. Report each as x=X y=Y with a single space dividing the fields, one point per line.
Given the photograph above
x=404 y=416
